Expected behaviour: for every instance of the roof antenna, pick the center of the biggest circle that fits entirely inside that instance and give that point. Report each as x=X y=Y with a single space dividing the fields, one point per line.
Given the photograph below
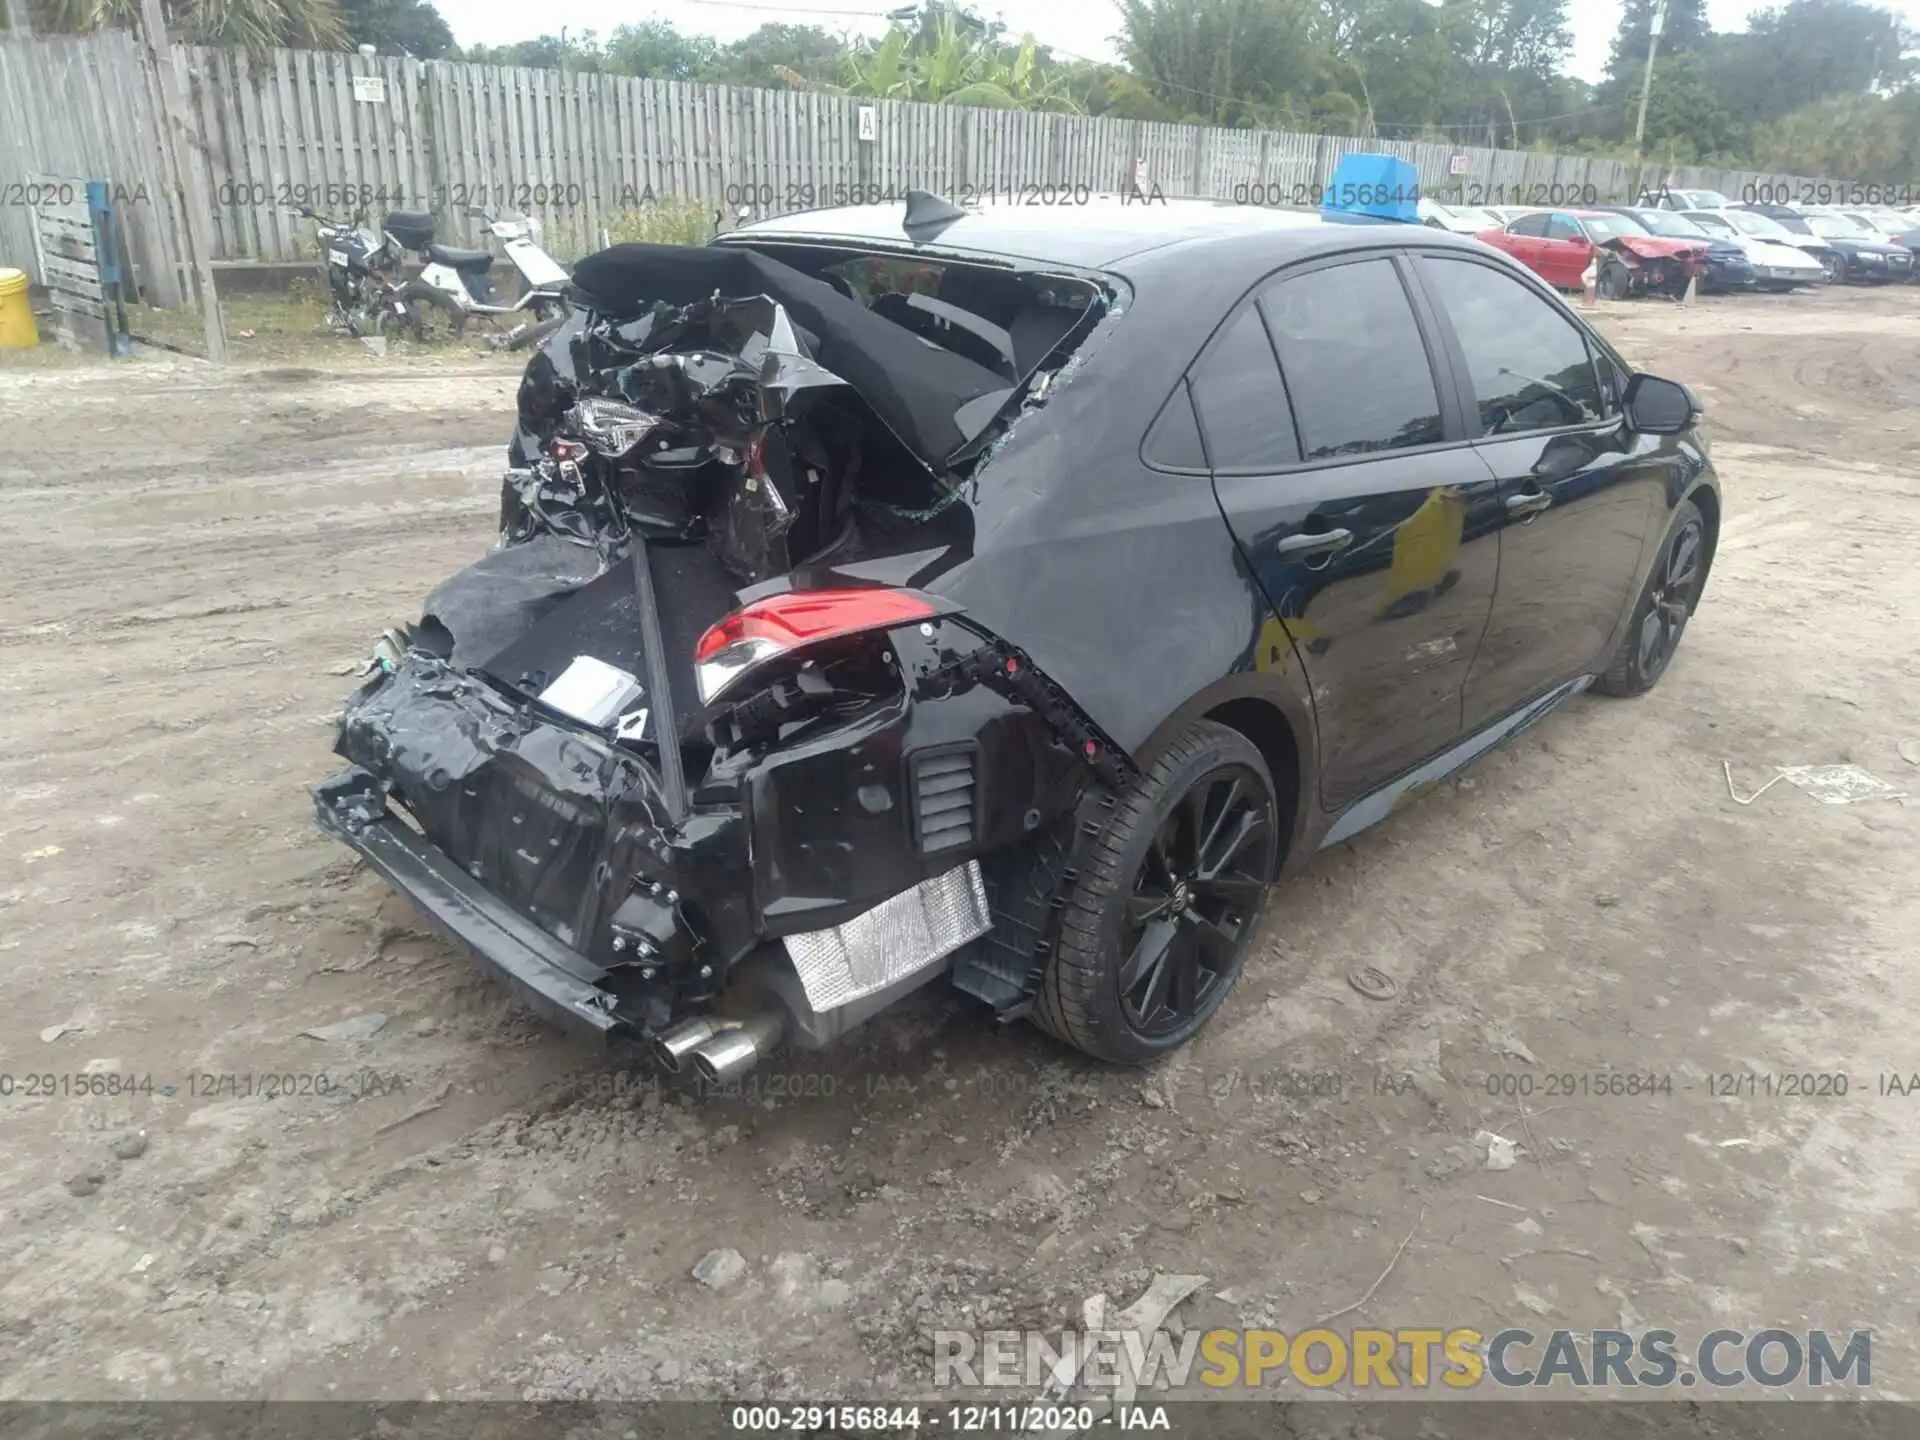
x=928 y=215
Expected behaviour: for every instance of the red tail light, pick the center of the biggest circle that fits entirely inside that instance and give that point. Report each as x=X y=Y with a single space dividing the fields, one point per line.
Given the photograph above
x=780 y=624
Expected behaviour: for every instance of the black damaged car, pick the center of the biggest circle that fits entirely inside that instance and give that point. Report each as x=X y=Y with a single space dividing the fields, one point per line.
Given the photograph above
x=1003 y=597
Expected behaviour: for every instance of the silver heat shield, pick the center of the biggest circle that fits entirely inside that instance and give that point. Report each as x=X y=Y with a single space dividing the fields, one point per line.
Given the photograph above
x=915 y=929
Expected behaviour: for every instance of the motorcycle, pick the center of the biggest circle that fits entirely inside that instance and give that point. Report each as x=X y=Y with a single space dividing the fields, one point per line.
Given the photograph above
x=454 y=285
x=362 y=274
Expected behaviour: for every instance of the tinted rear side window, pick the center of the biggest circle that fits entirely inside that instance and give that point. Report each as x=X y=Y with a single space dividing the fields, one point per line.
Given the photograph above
x=1174 y=441
x=1354 y=365
x=1242 y=404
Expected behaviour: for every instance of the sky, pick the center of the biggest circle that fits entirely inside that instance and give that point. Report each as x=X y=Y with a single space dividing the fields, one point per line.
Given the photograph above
x=1082 y=28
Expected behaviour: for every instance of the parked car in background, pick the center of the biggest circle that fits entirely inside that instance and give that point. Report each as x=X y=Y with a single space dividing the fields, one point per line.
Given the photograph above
x=1763 y=225
x=1669 y=199
x=1460 y=219
x=1504 y=215
x=1558 y=245
x=1901 y=230
x=810 y=669
x=1776 y=264
x=1728 y=267
x=1866 y=256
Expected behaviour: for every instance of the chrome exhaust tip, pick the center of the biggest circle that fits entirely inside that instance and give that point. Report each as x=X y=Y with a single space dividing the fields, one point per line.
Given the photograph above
x=671 y=1047
x=731 y=1053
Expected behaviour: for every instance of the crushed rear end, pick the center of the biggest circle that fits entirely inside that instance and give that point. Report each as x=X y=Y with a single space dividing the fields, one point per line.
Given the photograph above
x=699 y=754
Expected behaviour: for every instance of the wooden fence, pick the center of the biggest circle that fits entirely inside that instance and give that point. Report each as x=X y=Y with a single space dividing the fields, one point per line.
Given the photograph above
x=337 y=130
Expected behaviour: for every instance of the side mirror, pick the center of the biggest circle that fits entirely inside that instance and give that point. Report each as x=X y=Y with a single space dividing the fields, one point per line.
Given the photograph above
x=1660 y=407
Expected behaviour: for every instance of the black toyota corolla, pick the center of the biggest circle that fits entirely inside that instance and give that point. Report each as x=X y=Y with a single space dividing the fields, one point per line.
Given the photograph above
x=1007 y=597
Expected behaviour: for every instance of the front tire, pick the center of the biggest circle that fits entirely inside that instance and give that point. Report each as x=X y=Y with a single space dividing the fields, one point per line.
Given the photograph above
x=1666 y=604
x=1156 y=927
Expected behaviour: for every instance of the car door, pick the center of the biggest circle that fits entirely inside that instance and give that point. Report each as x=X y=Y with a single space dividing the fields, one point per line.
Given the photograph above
x=1524 y=238
x=1565 y=253
x=1579 y=490
x=1366 y=521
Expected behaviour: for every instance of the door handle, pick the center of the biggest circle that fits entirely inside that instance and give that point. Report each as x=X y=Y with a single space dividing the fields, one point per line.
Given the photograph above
x=1530 y=503
x=1314 y=542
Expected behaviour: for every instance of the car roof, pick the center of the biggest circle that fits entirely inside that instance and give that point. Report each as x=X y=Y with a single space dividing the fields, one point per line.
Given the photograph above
x=1094 y=235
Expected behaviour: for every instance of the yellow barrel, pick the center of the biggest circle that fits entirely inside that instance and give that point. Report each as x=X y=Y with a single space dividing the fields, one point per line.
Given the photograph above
x=17 y=330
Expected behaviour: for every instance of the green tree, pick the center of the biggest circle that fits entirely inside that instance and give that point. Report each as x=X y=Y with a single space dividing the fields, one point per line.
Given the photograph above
x=657 y=50
x=1812 y=50
x=1236 y=62
x=1863 y=137
x=759 y=58
x=1116 y=91
x=403 y=27
x=253 y=25
x=1686 y=29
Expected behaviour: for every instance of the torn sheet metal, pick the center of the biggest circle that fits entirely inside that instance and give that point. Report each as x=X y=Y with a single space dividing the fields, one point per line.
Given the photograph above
x=477 y=612
x=526 y=808
x=917 y=390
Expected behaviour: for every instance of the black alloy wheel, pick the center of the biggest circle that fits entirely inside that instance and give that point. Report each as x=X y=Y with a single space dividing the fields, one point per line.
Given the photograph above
x=1666 y=604
x=1192 y=900
x=1157 y=926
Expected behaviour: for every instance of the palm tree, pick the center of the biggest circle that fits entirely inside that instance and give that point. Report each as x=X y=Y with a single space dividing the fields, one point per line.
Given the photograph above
x=956 y=66
x=255 y=25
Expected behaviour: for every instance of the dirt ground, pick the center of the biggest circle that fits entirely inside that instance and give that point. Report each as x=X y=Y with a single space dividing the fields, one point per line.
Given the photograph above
x=467 y=1204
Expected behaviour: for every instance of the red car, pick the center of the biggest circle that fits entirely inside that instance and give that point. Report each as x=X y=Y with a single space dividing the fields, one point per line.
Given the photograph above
x=1558 y=245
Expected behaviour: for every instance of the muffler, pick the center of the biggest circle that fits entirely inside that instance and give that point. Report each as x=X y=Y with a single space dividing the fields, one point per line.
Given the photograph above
x=737 y=1049
x=672 y=1047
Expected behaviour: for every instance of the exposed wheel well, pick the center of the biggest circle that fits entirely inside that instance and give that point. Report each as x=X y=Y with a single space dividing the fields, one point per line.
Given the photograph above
x=1266 y=726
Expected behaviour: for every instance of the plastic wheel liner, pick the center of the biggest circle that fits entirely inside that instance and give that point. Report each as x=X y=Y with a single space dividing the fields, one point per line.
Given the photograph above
x=516 y=758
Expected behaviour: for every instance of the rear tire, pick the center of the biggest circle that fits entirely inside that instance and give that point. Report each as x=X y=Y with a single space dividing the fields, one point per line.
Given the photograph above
x=1666 y=604
x=433 y=316
x=1156 y=927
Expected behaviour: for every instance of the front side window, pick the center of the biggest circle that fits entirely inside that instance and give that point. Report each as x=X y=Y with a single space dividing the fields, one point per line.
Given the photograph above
x=1353 y=359
x=1531 y=367
x=1561 y=227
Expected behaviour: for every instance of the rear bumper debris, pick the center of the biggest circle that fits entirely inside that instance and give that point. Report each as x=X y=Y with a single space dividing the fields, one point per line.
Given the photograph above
x=559 y=981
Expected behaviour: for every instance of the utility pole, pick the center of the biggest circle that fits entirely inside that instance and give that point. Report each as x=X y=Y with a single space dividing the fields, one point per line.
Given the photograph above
x=196 y=205
x=1646 y=83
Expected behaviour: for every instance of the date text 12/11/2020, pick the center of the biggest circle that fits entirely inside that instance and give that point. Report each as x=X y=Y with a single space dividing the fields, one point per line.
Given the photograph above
x=1306 y=195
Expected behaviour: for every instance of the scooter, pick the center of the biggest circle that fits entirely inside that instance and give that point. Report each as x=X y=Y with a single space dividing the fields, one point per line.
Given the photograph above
x=362 y=271
x=456 y=285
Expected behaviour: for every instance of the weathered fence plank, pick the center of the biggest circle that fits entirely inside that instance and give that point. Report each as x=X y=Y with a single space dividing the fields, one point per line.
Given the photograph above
x=575 y=149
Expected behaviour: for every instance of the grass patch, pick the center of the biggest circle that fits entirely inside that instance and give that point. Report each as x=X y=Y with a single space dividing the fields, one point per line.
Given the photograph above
x=258 y=326
x=665 y=222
